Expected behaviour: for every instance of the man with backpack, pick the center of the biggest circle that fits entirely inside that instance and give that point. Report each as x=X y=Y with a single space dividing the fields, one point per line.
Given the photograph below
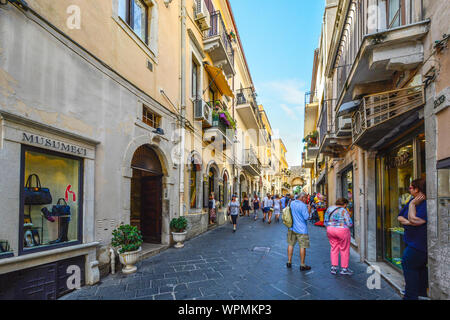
x=299 y=231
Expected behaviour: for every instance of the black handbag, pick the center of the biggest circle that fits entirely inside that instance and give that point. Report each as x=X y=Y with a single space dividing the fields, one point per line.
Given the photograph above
x=61 y=208
x=36 y=195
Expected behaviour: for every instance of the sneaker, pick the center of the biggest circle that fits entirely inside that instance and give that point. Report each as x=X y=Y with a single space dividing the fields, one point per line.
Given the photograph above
x=289 y=265
x=346 y=271
x=305 y=268
x=334 y=269
x=234 y=230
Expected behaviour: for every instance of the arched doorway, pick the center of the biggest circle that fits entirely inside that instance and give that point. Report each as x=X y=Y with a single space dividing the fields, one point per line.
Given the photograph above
x=243 y=187
x=146 y=194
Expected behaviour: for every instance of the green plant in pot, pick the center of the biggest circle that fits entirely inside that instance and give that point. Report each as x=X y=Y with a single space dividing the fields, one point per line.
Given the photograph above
x=128 y=240
x=178 y=226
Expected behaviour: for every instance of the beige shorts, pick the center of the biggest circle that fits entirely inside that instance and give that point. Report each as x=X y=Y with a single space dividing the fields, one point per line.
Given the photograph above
x=302 y=239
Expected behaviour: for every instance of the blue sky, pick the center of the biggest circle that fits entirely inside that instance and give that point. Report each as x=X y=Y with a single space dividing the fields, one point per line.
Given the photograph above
x=279 y=38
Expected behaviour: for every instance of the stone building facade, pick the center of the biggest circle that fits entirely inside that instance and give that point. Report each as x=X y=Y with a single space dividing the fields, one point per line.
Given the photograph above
x=379 y=103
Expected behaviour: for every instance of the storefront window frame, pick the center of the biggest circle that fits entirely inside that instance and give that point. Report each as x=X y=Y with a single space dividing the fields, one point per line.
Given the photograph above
x=343 y=174
x=24 y=149
x=380 y=163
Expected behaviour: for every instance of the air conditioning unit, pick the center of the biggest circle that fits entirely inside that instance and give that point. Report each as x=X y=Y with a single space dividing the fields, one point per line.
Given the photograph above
x=344 y=126
x=202 y=16
x=203 y=112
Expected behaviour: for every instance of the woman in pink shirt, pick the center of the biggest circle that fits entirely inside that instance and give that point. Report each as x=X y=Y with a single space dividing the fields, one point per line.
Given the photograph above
x=338 y=223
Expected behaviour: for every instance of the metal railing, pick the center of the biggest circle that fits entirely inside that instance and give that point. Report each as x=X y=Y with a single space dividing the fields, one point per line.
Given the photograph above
x=382 y=107
x=245 y=96
x=218 y=29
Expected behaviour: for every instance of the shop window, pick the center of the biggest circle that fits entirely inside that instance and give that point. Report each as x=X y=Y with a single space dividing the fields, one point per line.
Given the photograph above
x=347 y=193
x=5 y=249
x=150 y=118
x=51 y=200
x=398 y=175
x=136 y=14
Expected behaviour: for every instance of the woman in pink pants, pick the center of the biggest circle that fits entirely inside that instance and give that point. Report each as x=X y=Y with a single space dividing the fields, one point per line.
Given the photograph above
x=338 y=223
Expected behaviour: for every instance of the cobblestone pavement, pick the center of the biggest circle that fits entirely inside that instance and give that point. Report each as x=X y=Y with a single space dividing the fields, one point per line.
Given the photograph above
x=247 y=265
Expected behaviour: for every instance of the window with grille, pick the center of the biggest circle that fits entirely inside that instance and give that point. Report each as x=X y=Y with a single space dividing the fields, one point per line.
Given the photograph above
x=150 y=118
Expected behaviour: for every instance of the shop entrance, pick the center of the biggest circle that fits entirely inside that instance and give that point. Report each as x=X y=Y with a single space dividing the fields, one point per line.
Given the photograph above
x=146 y=194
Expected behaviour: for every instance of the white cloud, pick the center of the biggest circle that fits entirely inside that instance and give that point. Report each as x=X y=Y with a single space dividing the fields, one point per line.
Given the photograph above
x=287 y=91
x=290 y=112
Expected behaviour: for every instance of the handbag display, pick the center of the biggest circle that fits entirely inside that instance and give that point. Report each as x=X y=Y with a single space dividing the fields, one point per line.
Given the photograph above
x=61 y=208
x=36 y=195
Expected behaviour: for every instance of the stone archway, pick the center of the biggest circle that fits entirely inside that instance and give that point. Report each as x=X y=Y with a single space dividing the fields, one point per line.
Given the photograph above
x=162 y=149
x=146 y=194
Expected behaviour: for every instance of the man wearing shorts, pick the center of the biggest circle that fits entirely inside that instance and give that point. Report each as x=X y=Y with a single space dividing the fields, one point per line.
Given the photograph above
x=266 y=206
x=299 y=231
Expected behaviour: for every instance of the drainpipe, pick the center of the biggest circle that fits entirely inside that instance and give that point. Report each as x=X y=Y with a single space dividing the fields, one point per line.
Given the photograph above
x=113 y=261
x=183 y=102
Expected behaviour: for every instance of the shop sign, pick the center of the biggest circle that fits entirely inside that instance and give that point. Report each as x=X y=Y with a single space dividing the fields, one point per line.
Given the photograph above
x=57 y=145
x=399 y=161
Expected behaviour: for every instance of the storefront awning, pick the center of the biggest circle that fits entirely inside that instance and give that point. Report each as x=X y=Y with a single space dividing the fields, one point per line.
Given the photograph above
x=348 y=108
x=219 y=79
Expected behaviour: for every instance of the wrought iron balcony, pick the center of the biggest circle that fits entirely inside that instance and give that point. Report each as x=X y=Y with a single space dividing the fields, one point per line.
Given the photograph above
x=218 y=44
x=381 y=112
x=247 y=107
x=251 y=163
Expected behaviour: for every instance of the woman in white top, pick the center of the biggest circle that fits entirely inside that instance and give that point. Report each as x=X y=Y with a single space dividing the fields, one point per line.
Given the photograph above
x=277 y=207
x=270 y=205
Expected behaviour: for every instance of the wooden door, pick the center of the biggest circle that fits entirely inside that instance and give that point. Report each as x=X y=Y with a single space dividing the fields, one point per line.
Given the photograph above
x=151 y=209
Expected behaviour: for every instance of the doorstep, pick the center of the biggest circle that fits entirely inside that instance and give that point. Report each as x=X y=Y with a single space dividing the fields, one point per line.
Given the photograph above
x=151 y=249
x=393 y=276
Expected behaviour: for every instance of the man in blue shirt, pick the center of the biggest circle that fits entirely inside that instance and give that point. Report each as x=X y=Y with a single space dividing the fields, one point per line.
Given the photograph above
x=299 y=231
x=283 y=201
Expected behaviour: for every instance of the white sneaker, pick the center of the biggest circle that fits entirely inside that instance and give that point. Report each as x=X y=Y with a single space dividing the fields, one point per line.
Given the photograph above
x=334 y=269
x=346 y=271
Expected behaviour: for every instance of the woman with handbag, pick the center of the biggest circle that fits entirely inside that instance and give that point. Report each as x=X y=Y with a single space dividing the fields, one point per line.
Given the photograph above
x=233 y=210
x=338 y=222
x=256 y=205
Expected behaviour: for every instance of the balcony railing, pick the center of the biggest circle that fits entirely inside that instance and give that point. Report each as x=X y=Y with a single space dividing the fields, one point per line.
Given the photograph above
x=246 y=96
x=218 y=29
x=382 y=107
x=251 y=162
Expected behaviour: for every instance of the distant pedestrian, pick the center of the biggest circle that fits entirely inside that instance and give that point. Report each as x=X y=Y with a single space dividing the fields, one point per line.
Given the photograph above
x=212 y=209
x=338 y=222
x=284 y=199
x=246 y=206
x=299 y=231
x=277 y=208
x=270 y=213
x=266 y=206
x=233 y=209
x=256 y=206
x=413 y=217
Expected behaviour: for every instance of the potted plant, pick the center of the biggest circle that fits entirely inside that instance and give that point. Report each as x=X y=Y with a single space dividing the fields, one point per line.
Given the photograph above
x=178 y=226
x=128 y=240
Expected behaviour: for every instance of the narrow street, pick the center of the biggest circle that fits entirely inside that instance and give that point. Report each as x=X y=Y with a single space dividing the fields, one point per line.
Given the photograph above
x=247 y=265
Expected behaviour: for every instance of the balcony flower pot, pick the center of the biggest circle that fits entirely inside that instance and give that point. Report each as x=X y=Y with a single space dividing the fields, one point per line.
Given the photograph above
x=178 y=226
x=128 y=240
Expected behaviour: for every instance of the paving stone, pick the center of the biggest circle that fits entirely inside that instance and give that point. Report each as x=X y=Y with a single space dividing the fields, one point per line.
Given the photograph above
x=165 y=296
x=146 y=292
x=188 y=294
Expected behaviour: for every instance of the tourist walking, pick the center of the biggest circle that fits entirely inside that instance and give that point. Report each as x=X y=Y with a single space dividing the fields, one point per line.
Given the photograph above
x=246 y=206
x=270 y=203
x=338 y=223
x=256 y=206
x=298 y=232
x=266 y=206
x=233 y=210
x=212 y=209
x=413 y=217
x=277 y=208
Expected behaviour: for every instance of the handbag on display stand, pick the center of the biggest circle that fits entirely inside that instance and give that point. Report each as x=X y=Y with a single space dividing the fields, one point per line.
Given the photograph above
x=36 y=195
